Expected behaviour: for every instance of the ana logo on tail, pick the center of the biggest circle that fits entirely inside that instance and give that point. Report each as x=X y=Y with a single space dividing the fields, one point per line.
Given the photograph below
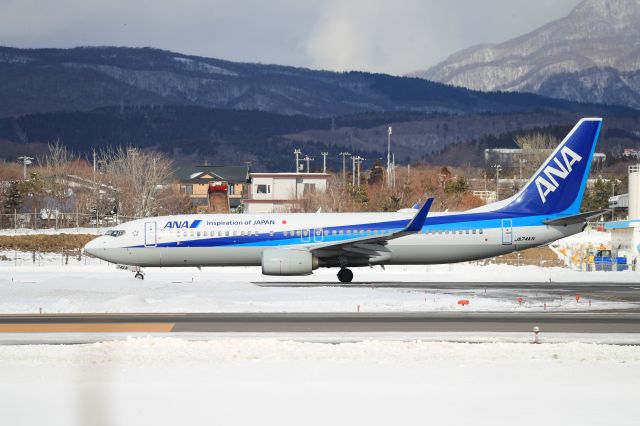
x=546 y=181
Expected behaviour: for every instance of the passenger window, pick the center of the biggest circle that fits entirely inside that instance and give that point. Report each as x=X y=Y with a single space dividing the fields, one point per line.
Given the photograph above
x=285 y=233
x=184 y=234
x=305 y=232
x=270 y=233
x=242 y=233
x=348 y=231
x=480 y=231
x=473 y=231
x=334 y=232
x=226 y=233
x=341 y=232
x=234 y=233
x=298 y=233
x=198 y=233
x=326 y=232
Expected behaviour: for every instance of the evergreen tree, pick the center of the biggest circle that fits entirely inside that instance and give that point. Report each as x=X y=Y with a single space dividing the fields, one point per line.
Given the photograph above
x=458 y=185
x=597 y=197
x=12 y=198
x=377 y=174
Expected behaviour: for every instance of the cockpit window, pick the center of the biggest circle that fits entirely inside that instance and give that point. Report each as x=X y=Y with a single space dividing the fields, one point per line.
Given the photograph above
x=115 y=233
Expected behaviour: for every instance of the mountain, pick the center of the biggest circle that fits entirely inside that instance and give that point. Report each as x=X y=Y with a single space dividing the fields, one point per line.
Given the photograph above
x=597 y=46
x=595 y=85
x=209 y=110
x=86 y=78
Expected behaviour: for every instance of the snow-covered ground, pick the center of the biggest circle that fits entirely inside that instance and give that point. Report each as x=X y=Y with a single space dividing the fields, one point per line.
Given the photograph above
x=53 y=231
x=166 y=381
x=90 y=285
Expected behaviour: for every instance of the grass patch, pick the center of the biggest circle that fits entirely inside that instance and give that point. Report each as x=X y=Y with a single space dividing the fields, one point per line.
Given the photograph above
x=45 y=243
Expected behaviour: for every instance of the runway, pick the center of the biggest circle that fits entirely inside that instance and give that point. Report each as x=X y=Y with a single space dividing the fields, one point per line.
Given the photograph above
x=613 y=291
x=321 y=323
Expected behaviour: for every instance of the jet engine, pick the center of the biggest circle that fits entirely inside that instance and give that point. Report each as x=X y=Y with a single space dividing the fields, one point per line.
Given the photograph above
x=288 y=262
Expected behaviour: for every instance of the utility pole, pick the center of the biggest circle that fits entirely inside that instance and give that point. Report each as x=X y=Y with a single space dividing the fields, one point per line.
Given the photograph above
x=389 y=131
x=307 y=159
x=521 y=160
x=613 y=194
x=25 y=161
x=359 y=161
x=353 y=173
x=498 y=167
x=95 y=188
x=297 y=153
x=324 y=161
x=344 y=167
x=393 y=171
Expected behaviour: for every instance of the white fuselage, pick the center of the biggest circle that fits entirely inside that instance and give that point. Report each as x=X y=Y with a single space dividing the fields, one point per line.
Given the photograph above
x=233 y=240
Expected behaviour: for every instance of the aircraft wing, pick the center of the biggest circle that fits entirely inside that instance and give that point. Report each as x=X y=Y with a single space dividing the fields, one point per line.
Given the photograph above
x=371 y=247
x=573 y=219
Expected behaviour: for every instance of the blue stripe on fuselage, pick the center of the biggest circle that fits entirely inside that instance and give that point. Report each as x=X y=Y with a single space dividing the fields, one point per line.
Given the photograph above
x=462 y=221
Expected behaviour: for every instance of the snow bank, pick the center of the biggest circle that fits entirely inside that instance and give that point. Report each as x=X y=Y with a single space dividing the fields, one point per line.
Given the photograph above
x=153 y=381
x=53 y=231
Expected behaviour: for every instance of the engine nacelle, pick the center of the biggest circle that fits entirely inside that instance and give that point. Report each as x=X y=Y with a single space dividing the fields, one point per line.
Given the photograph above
x=288 y=262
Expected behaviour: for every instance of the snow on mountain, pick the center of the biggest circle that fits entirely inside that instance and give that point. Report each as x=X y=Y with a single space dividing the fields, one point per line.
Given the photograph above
x=596 y=35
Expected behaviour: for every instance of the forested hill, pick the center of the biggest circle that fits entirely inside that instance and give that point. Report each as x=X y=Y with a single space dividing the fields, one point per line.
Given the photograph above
x=86 y=78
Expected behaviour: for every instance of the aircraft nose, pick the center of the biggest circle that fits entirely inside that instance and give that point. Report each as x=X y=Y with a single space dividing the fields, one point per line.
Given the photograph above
x=92 y=247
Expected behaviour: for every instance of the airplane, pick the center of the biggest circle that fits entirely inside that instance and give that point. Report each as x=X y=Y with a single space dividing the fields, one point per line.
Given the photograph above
x=547 y=208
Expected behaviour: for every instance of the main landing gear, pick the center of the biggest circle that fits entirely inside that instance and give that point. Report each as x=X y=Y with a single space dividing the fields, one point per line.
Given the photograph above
x=345 y=275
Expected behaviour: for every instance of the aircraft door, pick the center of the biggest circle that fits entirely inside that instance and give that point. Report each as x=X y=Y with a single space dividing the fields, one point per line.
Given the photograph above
x=150 y=234
x=317 y=235
x=507 y=232
x=305 y=236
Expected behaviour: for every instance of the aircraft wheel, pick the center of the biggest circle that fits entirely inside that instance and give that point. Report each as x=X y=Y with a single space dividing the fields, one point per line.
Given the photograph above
x=345 y=275
x=139 y=275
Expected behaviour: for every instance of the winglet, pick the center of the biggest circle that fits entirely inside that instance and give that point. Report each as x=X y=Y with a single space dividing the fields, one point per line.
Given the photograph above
x=417 y=222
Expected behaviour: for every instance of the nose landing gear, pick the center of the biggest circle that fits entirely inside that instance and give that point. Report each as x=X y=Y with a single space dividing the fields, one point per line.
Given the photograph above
x=139 y=275
x=345 y=275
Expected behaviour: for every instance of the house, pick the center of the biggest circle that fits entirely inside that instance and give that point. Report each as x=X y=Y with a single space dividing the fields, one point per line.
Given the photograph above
x=631 y=153
x=201 y=183
x=278 y=192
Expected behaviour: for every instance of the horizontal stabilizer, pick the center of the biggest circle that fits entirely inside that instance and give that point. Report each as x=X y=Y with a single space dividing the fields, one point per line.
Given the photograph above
x=573 y=219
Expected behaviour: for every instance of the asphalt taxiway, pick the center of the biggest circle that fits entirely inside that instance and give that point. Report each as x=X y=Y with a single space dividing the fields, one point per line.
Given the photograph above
x=322 y=322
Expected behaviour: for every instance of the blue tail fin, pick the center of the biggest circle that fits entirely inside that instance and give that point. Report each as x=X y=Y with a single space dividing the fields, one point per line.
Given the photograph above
x=558 y=185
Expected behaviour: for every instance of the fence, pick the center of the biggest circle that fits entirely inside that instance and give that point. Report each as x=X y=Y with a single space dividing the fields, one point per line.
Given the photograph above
x=58 y=220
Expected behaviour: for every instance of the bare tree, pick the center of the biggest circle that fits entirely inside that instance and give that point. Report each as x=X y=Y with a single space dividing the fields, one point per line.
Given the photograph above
x=536 y=140
x=139 y=177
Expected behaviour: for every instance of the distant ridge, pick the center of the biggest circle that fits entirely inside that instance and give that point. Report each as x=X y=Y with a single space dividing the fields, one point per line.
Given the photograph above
x=85 y=78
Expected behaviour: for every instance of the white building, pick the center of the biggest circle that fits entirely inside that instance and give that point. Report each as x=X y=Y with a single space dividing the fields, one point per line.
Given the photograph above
x=276 y=192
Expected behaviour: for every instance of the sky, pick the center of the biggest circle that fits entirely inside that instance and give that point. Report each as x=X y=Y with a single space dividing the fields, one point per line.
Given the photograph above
x=390 y=36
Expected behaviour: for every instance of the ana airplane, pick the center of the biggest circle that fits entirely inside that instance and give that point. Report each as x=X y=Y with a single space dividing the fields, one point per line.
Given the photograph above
x=545 y=209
